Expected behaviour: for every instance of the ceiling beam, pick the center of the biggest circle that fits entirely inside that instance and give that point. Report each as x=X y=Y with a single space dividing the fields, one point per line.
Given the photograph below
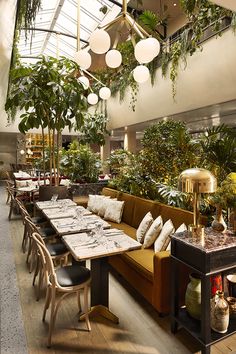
x=56 y=14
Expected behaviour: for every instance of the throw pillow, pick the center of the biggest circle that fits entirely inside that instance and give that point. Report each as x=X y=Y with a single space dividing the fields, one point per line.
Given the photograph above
x=23 y=183
x=98 y=202
x=91 y=202
x=153 y=232
x=163 y=239
x=114 y=211
x=104 y=205
x=181 y=228
x=143 y=227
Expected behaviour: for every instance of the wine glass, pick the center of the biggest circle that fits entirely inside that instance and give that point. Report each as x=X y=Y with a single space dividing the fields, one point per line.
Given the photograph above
x=54 y=198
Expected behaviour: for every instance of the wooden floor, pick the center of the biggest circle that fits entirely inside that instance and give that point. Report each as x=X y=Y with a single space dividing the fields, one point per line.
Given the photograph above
x=140 y=330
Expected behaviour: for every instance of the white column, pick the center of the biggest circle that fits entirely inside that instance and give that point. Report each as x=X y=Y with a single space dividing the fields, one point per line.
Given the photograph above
x=105 y=153
x=130 y=141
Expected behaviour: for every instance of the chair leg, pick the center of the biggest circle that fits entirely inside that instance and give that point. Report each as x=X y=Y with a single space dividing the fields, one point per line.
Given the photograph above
x=78 y=300
x=40 y=282
x=8 y=197
x=47 y=302
x=11 y=210
x=24 y=240
x=52 y=319
x=86 y=308
x=29 y=250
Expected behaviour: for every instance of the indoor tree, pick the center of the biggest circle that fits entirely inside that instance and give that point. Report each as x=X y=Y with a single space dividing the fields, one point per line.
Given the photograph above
x=51 y=96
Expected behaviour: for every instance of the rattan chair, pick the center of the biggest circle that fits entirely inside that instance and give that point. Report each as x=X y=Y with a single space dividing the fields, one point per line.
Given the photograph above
x=65 y=281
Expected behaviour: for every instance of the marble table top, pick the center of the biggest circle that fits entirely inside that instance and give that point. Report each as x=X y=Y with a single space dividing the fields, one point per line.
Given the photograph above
x=212 y=240
x=70 y=225
x=63 y=212
x=48 y=204
x=88 y=245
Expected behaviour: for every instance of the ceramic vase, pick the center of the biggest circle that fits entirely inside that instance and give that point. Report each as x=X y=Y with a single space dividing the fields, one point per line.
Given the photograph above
x=193 y=296
x=219 y=313
x=218 y=224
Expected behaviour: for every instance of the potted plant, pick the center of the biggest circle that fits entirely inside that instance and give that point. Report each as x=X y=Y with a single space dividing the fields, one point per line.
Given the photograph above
x=51 y=96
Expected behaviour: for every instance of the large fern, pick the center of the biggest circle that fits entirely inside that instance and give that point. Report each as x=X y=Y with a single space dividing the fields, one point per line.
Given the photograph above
x=150 y=20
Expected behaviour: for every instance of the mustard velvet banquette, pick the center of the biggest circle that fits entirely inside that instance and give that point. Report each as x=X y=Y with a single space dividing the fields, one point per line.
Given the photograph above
x=148 y=272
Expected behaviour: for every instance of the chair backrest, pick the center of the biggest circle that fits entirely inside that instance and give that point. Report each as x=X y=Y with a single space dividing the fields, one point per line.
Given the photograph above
x=22 y=209
x=30 y=225
x=46 y=260
x=46 y=192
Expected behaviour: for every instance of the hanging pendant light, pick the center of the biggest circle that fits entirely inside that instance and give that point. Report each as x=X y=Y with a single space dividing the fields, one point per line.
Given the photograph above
x=146 y=50
x=141 y=74
x=113 y=58
x=100 y=41
x=83 y=59
x=104 y=93
x=84 y=81
x=92 y=98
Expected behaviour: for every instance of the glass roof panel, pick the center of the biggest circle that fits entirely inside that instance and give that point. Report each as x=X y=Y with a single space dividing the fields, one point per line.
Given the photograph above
x=61 y=16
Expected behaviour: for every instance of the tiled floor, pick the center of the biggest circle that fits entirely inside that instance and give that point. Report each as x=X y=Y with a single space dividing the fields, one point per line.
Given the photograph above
x=13 y=340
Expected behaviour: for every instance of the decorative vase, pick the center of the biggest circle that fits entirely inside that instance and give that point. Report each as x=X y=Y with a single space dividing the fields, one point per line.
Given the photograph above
x=193 y=296
x=218 y=223
x=219 y=313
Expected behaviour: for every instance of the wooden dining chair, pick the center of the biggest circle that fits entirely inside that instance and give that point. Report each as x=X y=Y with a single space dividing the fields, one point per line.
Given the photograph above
x=39 y=221
x=58 y=251
x=65 y=281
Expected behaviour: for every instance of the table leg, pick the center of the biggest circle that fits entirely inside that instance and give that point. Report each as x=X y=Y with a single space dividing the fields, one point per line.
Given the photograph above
x=100 y=290
x=205 y=310
x=175 y=297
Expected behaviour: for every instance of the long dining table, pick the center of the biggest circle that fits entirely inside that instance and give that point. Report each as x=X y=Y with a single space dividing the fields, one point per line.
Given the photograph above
x=91 y=238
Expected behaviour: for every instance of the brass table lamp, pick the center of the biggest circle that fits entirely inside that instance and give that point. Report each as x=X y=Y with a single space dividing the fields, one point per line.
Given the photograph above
x=196 y=181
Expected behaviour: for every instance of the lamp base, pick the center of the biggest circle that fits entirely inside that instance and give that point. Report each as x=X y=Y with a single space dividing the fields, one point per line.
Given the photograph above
x=197 y=232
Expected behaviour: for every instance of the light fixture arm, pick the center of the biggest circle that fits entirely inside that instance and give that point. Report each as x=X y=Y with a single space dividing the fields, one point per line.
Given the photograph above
x=78 y=25
x=124 y=6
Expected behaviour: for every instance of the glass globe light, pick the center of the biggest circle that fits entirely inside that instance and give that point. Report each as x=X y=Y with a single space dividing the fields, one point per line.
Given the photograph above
x=113 y=58
x=84 y=81
x=105 y=93
x=83 y=59
x=144 y=51
x=100 y=41
x=22 y=152
x=155 y=44
x=141 y=74
x=92 y=98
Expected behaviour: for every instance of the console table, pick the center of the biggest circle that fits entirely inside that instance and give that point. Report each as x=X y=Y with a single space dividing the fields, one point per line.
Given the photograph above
x=210 y=254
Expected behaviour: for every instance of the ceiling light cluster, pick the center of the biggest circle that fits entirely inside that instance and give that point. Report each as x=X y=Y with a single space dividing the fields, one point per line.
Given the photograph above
x=145 y=50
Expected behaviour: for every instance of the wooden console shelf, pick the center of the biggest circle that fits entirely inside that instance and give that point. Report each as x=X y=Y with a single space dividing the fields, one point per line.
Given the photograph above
x=214 y=253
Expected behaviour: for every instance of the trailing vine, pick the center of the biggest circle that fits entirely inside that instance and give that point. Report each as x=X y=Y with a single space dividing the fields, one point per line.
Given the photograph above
x=200 y=14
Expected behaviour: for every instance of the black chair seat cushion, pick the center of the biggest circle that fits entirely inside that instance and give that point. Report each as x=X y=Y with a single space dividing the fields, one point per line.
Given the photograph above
x=56 y=249
x=38 y=219
x=47 y=232
x=72 y=275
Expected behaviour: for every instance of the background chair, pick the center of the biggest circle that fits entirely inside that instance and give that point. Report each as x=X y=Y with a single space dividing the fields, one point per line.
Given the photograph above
x=65 y=280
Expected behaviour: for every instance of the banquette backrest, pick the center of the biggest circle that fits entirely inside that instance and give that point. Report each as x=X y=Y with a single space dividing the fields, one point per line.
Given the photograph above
x=135 y=208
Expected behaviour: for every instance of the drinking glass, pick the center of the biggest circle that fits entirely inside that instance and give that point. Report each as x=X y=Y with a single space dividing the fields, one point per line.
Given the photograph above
x=54 y=198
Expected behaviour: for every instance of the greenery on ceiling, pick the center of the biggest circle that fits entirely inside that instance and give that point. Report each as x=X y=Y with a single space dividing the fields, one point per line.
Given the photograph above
x=200 y=14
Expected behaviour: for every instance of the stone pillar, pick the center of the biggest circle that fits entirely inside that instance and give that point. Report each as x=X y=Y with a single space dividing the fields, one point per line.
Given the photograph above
x=130 y=141
x=105 y=153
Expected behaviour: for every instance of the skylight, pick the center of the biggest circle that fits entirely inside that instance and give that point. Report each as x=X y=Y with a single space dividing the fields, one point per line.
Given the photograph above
x=61 y=16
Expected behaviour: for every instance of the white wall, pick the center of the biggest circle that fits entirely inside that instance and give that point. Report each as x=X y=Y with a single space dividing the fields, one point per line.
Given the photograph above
x=209 y=78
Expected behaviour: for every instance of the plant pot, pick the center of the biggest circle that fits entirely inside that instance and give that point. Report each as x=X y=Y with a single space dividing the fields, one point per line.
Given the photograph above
x=193 y=296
